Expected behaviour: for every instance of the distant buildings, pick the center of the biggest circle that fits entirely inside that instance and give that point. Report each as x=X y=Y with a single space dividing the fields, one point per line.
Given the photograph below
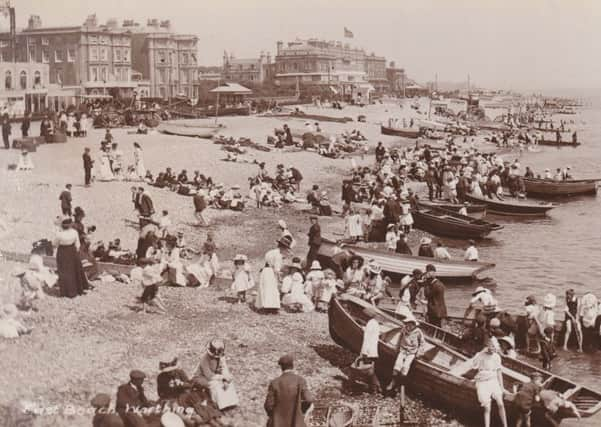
x=168 y=60
x=254 y=70
x=396 y=79
x=341 y=68
x=24 y=87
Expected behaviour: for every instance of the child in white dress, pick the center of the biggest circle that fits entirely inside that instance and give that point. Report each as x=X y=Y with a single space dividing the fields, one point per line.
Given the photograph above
x=243 y=279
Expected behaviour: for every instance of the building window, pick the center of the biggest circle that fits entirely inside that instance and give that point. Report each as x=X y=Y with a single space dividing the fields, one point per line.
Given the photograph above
x=103 y=40
x=3 y=43
x=125 y=55
x=45 y=41
x=45 y=55
x=93 y=54
x=93 y=39
x=161 y=57
x=23 y=79
x=161 y=76
x=32 y=53
x=37 y=78
x=71 y=55
x=58 y=56
x=184 y=58
x=103 y=54
x=93 y=74
x=8 y=80
x=103 y=74
x=116 y=55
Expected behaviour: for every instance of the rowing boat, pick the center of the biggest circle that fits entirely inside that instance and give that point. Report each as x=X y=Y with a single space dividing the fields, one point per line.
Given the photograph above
x=397 y=265
x=316 y=117
x=181 y=129
x=406 y=133
x=513 y=208
x=443 y=222
x=549 y=188
x=474 y=210
x=555 y=143
x=441 y=372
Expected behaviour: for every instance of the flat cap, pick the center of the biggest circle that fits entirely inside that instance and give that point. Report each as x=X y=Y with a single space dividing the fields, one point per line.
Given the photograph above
x=137 y=375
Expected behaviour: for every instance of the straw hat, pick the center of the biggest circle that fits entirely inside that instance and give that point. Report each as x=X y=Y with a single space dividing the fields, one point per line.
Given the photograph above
x=374 y=267
x=425 y=241
x=478 y=290
x=315 y=265
x=216 y=348
x=410 y=318
x=240 y=258
x=171 y=419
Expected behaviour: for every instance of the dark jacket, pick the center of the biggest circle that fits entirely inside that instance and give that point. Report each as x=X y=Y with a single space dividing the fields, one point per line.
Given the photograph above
x=6 y=129
x=315 y=235
x=87 y=161
x=434 y=293
x=170 y=384
x=146 y=206
x=199 y=203
x=129 y=398
x=287 y=396
x=425 y=250
x=392 y=211
x=107 y=420
x=65 y=199
x=402 y=247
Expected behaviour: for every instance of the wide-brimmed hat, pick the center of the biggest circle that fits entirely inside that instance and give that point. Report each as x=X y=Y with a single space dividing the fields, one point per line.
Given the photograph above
x=478 y=290
x=549 y=301
x=390 y=226
x=171 y=419
x=315 y=265
x=240 y=258
x=285 y=241
x=374 y=267
x=168 y=366
x=216 y=348
x=410 y=319
x=425 y=241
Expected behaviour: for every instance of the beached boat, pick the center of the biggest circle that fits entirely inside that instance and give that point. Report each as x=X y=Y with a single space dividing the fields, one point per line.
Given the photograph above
x=554 y=143
x=474 y=210
x=183 y=129
x=549 y=188
x=513 y=207
x=314 y=117
x=397 y=265
x=442 y=372
x=443 y=222
x=406 y=133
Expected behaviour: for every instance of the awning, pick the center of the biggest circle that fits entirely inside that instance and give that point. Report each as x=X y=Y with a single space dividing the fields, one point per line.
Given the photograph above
x=231 y=89
x=109 y=84
x=98 y=96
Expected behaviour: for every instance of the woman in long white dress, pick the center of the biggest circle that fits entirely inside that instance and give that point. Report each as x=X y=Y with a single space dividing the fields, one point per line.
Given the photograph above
x=105 y=173
x=268 y=294
x=139 y=161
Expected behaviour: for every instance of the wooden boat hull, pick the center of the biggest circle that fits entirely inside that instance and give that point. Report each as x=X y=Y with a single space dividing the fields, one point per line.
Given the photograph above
x=499 y=207
x=554 y=143
x=398 y=265
x=187 y=130
x=315 y=117
x=441 y=372
x=405 y=133
x=474 y=210
x=442 y=222
x=548 y=188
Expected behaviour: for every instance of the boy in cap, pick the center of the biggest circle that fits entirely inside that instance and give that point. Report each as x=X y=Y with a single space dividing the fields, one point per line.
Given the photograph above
x=130 y=398
x=411 y=344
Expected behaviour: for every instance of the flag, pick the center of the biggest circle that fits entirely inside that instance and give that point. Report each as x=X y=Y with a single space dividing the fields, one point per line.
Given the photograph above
x=348 y=33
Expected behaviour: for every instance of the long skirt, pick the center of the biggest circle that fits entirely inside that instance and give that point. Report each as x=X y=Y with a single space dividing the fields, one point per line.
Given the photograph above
x=71 y=277
x=268 y=295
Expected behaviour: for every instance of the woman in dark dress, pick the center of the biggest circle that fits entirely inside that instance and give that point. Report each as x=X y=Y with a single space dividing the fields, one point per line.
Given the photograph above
x=89 y=263
x=71 y=278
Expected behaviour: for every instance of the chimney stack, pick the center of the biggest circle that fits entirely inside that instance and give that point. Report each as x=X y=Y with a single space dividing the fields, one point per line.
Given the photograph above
x=34 y=22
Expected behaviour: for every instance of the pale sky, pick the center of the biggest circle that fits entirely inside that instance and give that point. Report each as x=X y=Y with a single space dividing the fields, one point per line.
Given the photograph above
x=510 y=44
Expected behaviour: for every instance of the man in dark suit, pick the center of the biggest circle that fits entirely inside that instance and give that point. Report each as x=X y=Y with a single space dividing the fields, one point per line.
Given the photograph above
x=146 y=205
x=287 y=397
x=434 y=292
x=131 y=398
x=88 y=164
x=314 y=241
x=66 y=199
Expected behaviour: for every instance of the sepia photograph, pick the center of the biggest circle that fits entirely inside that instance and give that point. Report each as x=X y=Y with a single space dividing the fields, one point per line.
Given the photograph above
x=300 y=213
